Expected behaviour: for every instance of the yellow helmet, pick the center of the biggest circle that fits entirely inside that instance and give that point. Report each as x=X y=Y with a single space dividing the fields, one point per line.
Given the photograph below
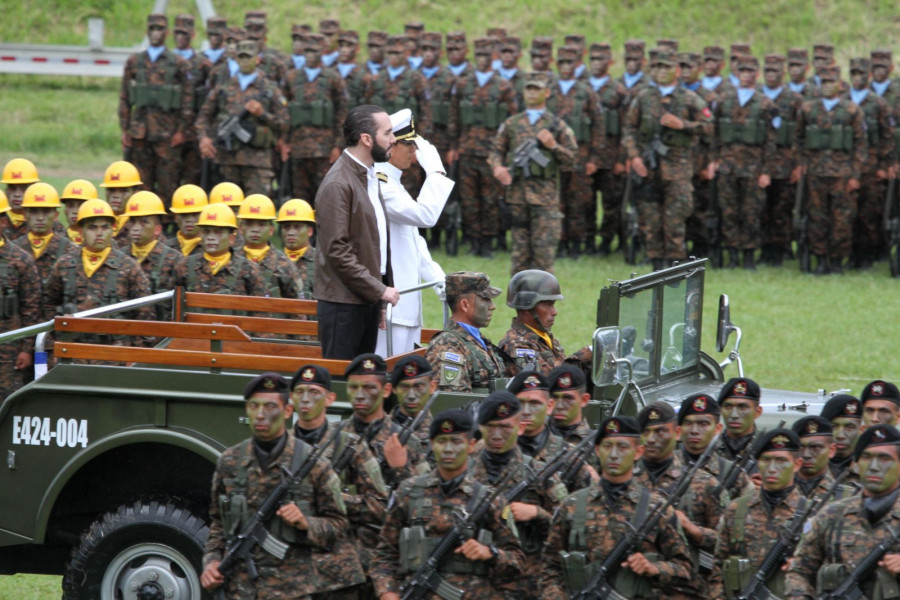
x=143 y=204
x=41 y=195
x=20 y=170
x=257 y=206
x=227 y=192
x=189 y=198
x=94 y=208
x=121 y=174
x=4 y=203
x=217 y=215
x=296 y=210
x=79 y=189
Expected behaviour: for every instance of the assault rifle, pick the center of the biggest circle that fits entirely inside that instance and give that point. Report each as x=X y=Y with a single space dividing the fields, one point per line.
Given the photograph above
x=409 y=429
x=254 y=532
x=892 y=226
x=849 y=589
x=599 y=587
x=231 y=128
x=564 y=458
x=630 y=219
x=801 y=226
x=526 y=153
x=427 y=579
x=714 y=224
x=784 y=547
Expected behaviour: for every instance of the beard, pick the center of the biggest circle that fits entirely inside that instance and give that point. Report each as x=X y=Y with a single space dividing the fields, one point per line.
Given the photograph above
x=380 y=154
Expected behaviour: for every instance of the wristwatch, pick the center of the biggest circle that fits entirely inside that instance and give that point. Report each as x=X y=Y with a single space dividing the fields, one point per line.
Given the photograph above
x=494 y=552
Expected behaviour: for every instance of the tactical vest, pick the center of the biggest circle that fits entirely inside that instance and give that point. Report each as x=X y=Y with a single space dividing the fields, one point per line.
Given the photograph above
x=194 y=263
x=489 y=115
x=9 y=299
x=785 y=134
x=166 y=97
x=440 y=106
x=262 y=135
x=576 y=569
x=737 y=571
x=200 y=91
x=416 y=546
x=60 y=250
x=355 y=87
x=405 y=97
x=838 y=137
x=70 y=295
x=873 y=127
x=650 y=127
x=751 y=132
x=576 y=119
x=610 y=113
x=314 y=113
x=537 y=171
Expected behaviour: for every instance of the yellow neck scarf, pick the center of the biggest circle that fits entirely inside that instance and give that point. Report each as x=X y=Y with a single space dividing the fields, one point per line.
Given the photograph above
x=2 y=241
x=187 y=245
x=544 y=336
x=75 y=236
x=296 y=255
x=39 y=243
x=93 y=260
x=217 y=263
x=17 y=219
x=256 y=254
x=140 y=252
x=121 y=222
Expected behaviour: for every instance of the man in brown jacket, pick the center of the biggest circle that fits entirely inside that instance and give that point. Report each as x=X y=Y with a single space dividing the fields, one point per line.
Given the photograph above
x=352 y=262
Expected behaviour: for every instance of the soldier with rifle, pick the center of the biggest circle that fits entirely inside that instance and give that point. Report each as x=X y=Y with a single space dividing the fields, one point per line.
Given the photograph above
x=892 y=226
x=814 y=479
x=446 y=534
x=844 y=414
x=850 y=550
x=414 y=387
x=739 y=402
x=616 y=539
x=568 y=387
x=276 y=505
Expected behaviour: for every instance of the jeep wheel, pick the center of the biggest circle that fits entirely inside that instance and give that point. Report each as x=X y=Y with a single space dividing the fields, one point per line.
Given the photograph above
x=144 y=551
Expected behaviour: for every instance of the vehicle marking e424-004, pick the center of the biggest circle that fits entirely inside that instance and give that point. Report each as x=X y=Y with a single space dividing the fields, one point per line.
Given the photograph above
x=39 y=431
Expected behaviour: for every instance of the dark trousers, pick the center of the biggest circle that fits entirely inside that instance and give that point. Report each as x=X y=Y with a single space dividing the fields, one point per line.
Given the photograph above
x=347 y=330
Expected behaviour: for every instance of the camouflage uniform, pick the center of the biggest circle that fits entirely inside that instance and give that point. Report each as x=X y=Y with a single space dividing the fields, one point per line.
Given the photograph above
x=634 y=49
x=374 y=435
x=407 y=90
x=306 y=271
x=420 y=502
x=550 y=444
x=665 y=196
x=198 y=67
x=21 y=307
x=239 y=475
x=279 y=273
x=249 y=165
x=702 y=153
x=461 y=364
x=440 y=90
x=831 y=161
x=752 y=537
x=160 y=268
x=156 y=101
x=534 y=201
x=574 y=434
x=317 y=110
x=239 y=276
x=718 y=467
x=401 y=419
x=603 y=523
x=530 y=351
x=57 y=246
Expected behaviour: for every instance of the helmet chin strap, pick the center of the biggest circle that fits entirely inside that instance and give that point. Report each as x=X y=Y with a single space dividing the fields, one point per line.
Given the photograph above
x=537 y=319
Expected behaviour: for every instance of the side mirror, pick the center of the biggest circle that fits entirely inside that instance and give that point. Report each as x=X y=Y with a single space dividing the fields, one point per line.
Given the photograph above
x=606 y=342
x=724 y=327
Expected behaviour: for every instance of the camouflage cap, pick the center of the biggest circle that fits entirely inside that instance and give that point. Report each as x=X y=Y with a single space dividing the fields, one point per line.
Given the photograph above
x=669 y=43
x=689 y=58
x=876 y=435
x=823 y=51
x=496 y=32
x=449 y=421
x=366 y=364
x=567 y=52
x=601 y=50
x=618 y=427
x=880 y=390
x=536 y=79
x=255 y=17
x=566 y=377
x=713 y=53
x=498 y=406
x=842 y=406
x=698 y=404
x=216 y=26
x=656 y=413
x=739 y=48
x=777 y=440
x=635 y=48
x=377 y=38
x=860 y=65
x=577 y=40
x=652 y=54
x=663 y=56
x=484 y=46
x=798 y=56
x=350 y=36
x=414 y=28
x=830 y=73
x=312 y=375
x=300 y=30
x=184 y=23
x=248 y=48
x=396 y=40
x=774 y=62
x=528 y=380
x=266 y=383
x=157 y=19
x=410 y=367
x=466 y=282
x=811 y=427
x=541 y=46
x=739 y=387
x=329 y=26
x=237 y=34
x=314 y=41
x=431 y=39
x=746 y=62
x=511 y=43
x=456 y=39
x=881 y=57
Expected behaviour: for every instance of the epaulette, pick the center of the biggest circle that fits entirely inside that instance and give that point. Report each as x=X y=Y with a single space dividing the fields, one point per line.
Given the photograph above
x=382 y=177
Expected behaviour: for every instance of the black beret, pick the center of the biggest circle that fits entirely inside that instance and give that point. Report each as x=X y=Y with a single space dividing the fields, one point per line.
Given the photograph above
x=410 y=367
x=880 y=390
x=739 y=387
x=452 y=420
x=566 y=377
x=876 y=435
x=312 y=374
x=777 y=439
x=812 y=426
x=366 y=364
x=268 y=383
x=842 y=406
x=656 y=413
x=618 y=427
x=497 y=406
x=527 y=380
x=698 y=404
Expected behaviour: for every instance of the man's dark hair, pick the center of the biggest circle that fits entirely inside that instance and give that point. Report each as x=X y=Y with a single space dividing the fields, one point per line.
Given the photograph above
x=360 y=120
x=453 y=302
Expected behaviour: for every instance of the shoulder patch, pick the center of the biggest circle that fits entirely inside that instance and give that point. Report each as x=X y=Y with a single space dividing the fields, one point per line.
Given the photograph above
x=452 y=357
x=525 y=353
x=450 y=374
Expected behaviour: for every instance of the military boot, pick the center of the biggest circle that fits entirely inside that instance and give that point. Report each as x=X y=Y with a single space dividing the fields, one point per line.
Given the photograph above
x=434 y=239
x=501 y=242
x=452 y=243
x=734 y=259
x=700 y=250
x=821 y=265
x=777 y=256
x=605 y=247
x=484 y=248
x=837 y=266
x=748 y=260
x=575 y=250
x=590 y=246
x=658 y=264
x=475 y=246
x=562 y=250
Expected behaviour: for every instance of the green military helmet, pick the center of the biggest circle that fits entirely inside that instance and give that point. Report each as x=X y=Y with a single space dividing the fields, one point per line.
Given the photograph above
x=527 y=288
